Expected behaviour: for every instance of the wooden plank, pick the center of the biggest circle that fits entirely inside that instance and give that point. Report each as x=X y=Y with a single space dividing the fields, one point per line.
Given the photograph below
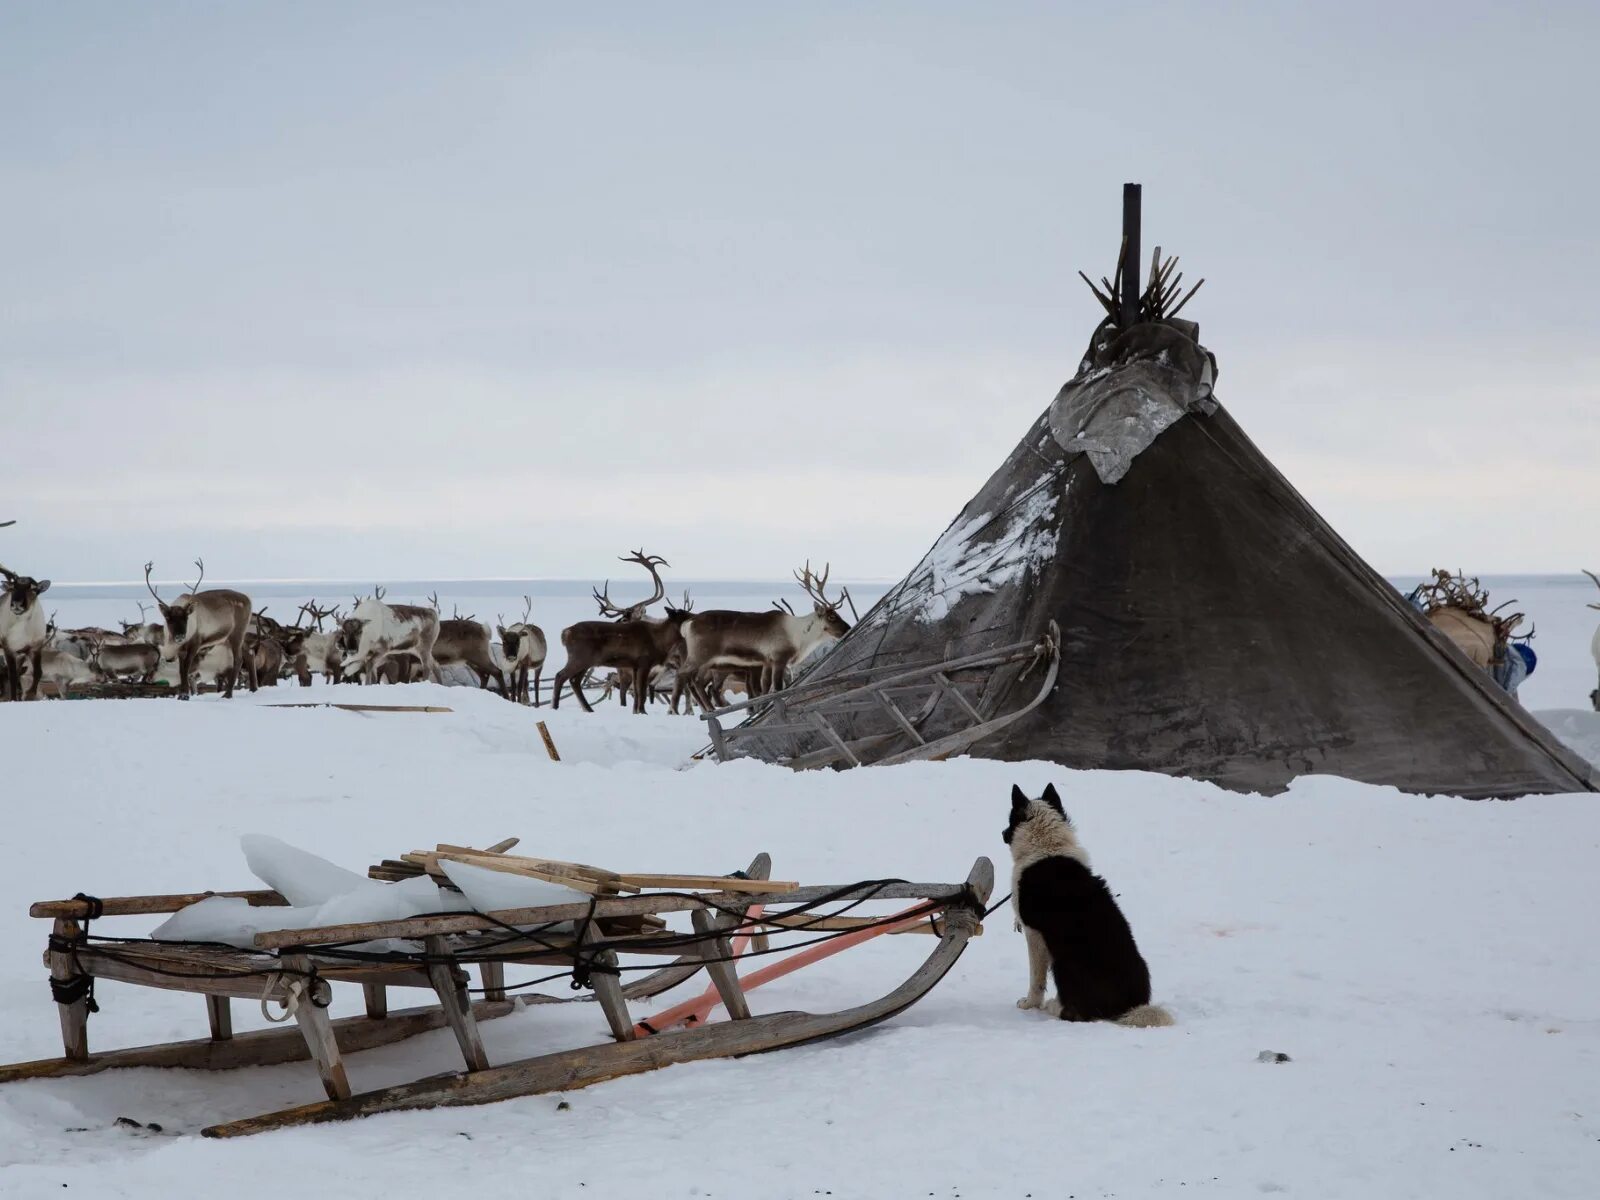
x=376 y=997
x=574 y=1069
x=721 y=883
x=366 y=708
x=262 y=1047
x=718 y=953
x=126 y=906
x=74 y=1016
x=503 y=864
x=950 y=689
x=933 y=925
x=719 y=742
x=494 y=980
x=821 y=725
x=215 y=976
x=453 y=998
x=899 y=718
x=219 y=1011
x=549 y=742
x=607 y=989
x=418 y=927
x=317 y=1030
x=559 y=871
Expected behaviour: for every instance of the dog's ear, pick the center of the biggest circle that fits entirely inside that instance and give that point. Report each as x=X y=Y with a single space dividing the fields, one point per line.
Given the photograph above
x=1052 y=799
x=1019 y=805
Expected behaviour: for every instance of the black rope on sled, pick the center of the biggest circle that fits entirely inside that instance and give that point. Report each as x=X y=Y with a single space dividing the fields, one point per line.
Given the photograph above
x=78 y=986
x=585 y=954
x=73 y=989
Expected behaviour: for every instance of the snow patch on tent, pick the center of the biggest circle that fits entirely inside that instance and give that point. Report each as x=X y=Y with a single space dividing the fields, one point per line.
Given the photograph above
x=977 y=555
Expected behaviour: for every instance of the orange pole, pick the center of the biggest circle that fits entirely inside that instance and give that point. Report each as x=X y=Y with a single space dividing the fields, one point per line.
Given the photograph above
x=692 y=1012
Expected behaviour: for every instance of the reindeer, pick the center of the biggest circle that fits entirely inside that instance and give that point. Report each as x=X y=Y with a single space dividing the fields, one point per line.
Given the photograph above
x=465 y=641
x=24 y=630
x=1594 y=647
x=764 y=641
x=64 y=671
x=523 y=647
x=632 y=640
x=198 y=620
x=263 y=650
x=379 y=630
x=309 y=650
x=143 y=630
x=116 y=661
x=663 y=681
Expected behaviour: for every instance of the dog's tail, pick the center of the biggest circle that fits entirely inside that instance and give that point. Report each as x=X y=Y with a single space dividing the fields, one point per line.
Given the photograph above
x=1146 y=1016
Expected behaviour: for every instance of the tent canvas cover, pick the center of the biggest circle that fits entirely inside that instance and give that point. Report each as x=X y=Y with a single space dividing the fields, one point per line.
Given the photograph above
x=1212 y=624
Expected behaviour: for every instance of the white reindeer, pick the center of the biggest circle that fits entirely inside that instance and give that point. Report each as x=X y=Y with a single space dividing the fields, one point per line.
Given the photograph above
x=24 y=630
x=380 y=630
x=524 y=648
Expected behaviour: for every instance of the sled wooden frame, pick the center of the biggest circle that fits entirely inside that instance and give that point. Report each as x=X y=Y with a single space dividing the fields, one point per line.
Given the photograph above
x=804 y=708
x=952 y=912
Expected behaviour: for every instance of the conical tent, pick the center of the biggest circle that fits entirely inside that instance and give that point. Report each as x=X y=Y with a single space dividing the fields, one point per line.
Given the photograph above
x=1211 y=624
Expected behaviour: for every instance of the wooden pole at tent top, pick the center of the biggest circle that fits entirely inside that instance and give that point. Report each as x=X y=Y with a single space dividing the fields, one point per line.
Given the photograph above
x=1129 y=282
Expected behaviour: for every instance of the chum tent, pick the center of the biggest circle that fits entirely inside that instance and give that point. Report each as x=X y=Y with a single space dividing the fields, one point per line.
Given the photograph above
x=1203 y=619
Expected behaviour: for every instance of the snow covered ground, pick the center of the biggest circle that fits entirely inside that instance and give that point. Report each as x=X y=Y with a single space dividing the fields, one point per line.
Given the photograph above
x=1426 y=963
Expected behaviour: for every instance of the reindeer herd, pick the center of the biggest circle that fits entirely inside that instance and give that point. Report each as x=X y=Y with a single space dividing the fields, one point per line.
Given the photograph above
x=210 y=638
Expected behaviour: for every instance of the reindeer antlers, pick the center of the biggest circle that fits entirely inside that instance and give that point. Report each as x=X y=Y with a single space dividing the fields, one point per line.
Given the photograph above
x=201 y=563
x=1596 y=579
x=634 y=611
x=527 y=609
x=147 y=568
x=817 y=588
x=8 y=572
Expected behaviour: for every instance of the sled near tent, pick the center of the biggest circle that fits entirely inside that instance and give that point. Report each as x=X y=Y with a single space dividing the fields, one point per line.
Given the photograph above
x=296 y=968
x=1212 y=624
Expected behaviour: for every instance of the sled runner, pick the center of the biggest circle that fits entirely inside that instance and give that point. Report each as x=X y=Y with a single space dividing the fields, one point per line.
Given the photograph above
x=732 y=916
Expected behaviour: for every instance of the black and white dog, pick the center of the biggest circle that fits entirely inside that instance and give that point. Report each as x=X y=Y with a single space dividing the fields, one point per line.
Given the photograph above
x=1073 y=925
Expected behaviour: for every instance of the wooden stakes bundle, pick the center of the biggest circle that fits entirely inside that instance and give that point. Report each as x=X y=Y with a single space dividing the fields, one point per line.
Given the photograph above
x=580 y=877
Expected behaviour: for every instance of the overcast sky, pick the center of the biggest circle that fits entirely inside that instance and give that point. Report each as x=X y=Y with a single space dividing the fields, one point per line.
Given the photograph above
x=387 y=290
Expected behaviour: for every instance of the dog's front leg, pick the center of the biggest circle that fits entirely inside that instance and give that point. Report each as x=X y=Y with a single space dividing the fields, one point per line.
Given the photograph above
x=1038 y=966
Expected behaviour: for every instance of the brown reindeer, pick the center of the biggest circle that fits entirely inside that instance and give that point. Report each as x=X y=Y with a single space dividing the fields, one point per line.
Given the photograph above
x=463 y=640
x=263 y=649
x=198 y=620
x=632 y=641
x=524 y=648
x=759 y=641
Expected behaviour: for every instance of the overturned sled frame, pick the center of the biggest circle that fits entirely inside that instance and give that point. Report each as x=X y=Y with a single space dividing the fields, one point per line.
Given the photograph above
x=296 y=968
x=907 y=696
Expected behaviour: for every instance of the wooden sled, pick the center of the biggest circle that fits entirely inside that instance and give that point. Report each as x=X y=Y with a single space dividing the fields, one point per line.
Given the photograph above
x=906 y=696
x=285 y=967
